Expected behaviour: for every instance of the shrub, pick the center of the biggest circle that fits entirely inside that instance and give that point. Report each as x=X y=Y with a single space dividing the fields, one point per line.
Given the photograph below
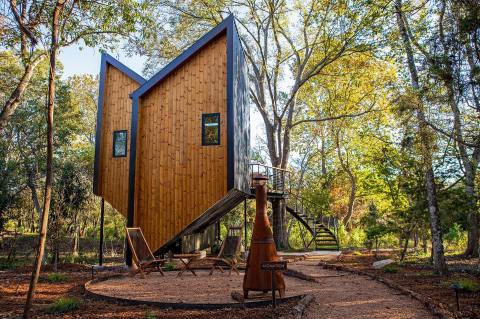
x=455 y=238
x=81 y=258
x=56 y=277
x=150 y=315
x=169 y=266
x=466 y=284
x=391 y=268
x=7 y=264
x=63 y=305
x=353 y=238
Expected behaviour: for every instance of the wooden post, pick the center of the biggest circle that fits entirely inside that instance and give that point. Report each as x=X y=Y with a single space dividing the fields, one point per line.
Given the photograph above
x=274 y=299
x=218 y=235
x=245 y=221
x=102 y=218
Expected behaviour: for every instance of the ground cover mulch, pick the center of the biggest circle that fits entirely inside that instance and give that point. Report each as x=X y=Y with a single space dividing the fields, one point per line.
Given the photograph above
x=14 y=285
x=418 y=276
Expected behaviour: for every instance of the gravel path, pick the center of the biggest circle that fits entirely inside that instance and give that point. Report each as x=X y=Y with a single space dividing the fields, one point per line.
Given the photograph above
x=344 y=295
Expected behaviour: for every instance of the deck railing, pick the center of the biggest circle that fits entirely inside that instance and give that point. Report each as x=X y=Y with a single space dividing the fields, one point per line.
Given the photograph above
x=278 y=178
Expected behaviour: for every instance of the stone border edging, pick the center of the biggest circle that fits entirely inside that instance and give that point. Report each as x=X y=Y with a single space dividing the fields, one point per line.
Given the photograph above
x=299 y=275
x=437 y=309
x=299 y=309
x=178 y=305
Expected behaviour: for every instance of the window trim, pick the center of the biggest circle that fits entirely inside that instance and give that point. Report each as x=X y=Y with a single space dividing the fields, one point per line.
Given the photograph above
x=114 y=140
x=204 y=117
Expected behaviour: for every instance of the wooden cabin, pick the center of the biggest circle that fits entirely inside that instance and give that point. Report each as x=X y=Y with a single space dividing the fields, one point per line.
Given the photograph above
x=172 y=152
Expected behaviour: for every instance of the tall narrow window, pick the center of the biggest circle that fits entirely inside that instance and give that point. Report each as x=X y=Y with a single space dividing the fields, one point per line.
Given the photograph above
x=211 y=129
x=120 y=143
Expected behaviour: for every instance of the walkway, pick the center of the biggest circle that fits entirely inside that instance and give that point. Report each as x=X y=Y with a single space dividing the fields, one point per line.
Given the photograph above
x=344 y=295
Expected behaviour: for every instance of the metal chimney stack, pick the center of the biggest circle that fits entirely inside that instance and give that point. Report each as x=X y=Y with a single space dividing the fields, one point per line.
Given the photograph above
x=262 y=246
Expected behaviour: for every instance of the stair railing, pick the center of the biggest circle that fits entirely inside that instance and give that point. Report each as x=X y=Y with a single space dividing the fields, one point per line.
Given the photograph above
x=280 y=182
x=300 y=206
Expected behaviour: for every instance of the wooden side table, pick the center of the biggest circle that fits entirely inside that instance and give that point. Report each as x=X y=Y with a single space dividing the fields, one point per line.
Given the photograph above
x=186 y=264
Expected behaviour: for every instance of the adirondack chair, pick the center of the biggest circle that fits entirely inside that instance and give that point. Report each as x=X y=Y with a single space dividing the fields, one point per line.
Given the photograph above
x=142 y=254
x=228 y=256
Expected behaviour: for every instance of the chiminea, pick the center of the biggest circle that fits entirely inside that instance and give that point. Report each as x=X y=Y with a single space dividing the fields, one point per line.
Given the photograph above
x=262 y=247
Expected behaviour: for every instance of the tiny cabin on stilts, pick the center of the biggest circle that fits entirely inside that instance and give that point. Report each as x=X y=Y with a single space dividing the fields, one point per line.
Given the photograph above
x=172 y=153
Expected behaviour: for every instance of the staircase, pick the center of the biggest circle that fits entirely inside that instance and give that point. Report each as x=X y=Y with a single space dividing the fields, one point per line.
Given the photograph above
x=324 y=229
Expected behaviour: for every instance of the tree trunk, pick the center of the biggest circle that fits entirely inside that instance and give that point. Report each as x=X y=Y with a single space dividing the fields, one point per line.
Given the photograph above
x=415 y=240
x=49 y=165
x=473 y=233
x=36 y=203
x=438 y=257
x=351 y=200
x=16 y=97
x=353 y=182
x=279 y=227
x=56 y=242
x=407 y=235
x=470 y=170
x=469 y=166
x=424 y=240
x=405 y=247
x=76 y=241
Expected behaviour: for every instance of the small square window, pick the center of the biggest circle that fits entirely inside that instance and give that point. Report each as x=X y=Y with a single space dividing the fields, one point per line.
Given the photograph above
x=211 y=129
x=120 y=143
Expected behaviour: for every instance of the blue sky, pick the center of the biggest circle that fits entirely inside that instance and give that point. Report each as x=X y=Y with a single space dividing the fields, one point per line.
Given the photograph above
x=87 y=60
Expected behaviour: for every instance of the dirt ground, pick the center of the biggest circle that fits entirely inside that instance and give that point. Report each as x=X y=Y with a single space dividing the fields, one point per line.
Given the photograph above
x=337 y=295
x=419 y=277
x=14 y=285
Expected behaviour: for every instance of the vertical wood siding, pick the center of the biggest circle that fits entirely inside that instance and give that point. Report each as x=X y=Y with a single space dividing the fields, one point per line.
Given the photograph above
x=178 y=179
x=117 y=112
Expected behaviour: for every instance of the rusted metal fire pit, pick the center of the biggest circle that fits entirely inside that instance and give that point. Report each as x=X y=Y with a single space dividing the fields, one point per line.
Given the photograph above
x=262 y=247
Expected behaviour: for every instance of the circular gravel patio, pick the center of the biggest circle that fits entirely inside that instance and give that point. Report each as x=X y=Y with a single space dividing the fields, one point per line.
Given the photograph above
x=189 y=291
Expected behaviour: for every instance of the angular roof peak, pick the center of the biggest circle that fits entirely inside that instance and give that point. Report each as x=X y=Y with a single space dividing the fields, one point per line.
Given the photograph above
x=226 y=24
x=107 y=58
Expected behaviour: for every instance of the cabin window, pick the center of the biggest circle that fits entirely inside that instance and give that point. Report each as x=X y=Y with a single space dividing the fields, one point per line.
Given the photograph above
x=211 y=129
x=120 y=143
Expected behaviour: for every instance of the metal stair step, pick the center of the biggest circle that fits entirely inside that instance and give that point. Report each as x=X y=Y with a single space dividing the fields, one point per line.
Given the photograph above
x=324 y=233
x=325 y=246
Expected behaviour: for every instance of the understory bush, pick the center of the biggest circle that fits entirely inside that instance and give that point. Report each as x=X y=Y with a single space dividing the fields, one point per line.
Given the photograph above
x=150 y=315
x=455 y=238
x=7 y=264
x=63 y=305
x=356 y=237
x=56 y=278
x=391 y=268
x=465 y=284
x=168 y=266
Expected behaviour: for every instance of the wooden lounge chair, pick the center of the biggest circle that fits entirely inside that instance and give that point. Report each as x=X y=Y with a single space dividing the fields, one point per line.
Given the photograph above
x=141 y=253
x=228 y=256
